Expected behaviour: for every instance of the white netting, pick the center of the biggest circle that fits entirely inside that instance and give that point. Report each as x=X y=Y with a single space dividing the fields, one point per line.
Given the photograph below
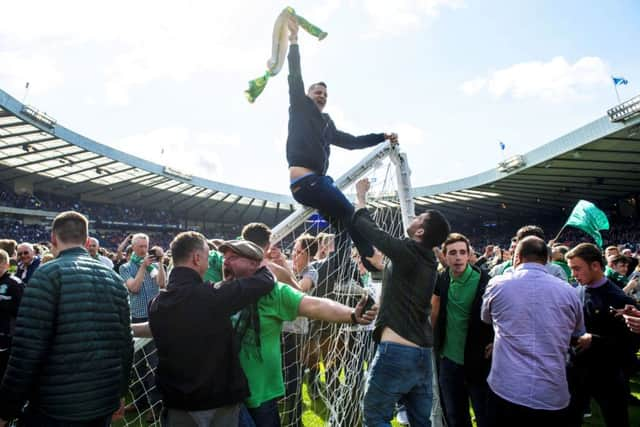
x=143 y=402
x=328 y=360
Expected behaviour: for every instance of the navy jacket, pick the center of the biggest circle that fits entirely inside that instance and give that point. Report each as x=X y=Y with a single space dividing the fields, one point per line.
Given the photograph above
x=311 y=132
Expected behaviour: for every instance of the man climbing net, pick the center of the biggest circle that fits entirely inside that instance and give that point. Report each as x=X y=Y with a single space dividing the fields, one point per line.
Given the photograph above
x=311 y=133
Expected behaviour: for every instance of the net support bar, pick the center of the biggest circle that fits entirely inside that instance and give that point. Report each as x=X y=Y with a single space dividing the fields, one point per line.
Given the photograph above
x=405 y=192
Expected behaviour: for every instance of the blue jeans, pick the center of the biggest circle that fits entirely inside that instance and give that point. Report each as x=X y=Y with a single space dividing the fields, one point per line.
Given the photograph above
x=319 y=192
x=265 y=415
x=399 y=372
x=456 y=391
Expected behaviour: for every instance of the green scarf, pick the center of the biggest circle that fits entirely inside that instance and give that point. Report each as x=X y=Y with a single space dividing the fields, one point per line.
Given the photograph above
x=135 y=259
x=279 y=47
x=615 y=276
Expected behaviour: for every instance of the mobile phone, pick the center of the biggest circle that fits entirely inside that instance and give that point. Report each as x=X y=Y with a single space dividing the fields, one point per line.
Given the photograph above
x=370 y=303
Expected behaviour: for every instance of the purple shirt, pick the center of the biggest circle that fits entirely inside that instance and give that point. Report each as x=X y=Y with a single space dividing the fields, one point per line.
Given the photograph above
x=534 y=315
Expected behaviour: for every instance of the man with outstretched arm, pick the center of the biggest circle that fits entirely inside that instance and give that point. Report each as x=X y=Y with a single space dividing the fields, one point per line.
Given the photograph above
x=311 y=133
x=401 y=368
x=199 y=374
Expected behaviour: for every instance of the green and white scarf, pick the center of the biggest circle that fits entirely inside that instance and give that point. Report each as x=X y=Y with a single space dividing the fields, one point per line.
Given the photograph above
x=137 y=260
x=279 y=46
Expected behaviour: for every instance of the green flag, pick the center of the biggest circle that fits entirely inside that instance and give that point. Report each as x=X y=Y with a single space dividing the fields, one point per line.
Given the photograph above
x=588 y=218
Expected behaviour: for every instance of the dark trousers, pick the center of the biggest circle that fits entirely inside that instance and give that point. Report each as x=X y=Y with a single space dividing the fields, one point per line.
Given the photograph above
x=35 y=418
x=455 y=392
x=503 y=413
x=606 y=386
x=266 y=415
x=4 y=361
x=320 y=192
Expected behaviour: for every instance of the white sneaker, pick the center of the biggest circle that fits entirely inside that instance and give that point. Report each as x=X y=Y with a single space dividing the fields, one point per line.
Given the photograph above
x=402 y=417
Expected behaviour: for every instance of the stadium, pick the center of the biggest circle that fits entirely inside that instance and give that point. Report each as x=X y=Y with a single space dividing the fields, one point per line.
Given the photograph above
x=47 y=168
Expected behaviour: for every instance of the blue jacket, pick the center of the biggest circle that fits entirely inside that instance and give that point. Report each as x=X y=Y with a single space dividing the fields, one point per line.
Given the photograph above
x=311 y=132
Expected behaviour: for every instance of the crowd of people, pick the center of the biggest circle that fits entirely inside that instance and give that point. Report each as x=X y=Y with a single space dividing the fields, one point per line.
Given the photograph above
x=529 y=334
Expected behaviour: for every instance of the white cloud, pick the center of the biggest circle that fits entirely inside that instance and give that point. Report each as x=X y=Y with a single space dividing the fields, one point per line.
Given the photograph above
x=186 y=150
x=403 y=16
x=555 y=80
x=471 y=87
x=142 y=41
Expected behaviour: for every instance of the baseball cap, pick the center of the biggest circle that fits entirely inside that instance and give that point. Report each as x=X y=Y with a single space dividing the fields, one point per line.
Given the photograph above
x=243 y=248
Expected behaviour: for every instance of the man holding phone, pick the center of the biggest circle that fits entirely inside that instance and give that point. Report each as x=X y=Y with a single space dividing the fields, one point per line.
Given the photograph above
x=401 y=368
x=606 y=350
x=144 y=276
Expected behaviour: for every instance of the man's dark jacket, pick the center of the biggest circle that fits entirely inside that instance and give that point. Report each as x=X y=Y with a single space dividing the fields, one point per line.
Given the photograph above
x=311 y=132
x=190 y=321
x=72 y=348
x=479 y=334
x=407 y=283
x=612 y=341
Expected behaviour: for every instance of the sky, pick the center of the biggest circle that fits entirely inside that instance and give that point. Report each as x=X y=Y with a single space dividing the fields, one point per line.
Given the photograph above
x=165 y=80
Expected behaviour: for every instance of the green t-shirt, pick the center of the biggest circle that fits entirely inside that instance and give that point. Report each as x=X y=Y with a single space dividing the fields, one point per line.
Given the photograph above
x=460 y=298
x=264 y=371
x=214 y=272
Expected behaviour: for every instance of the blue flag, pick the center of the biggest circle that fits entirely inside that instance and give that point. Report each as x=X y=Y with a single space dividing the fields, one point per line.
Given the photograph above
x=619 y=81
x=502 y=146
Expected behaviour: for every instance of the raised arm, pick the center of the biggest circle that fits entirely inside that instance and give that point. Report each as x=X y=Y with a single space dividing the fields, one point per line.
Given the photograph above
x=134 y=283
x=296 y=85
x=395 y=249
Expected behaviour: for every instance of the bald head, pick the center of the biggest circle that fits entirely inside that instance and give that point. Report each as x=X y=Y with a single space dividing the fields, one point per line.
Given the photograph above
x=531 y=249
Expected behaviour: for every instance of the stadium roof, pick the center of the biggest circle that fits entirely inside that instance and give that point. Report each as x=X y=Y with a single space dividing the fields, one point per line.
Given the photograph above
x=595 y=162
x=39 y=154
x=599 y=161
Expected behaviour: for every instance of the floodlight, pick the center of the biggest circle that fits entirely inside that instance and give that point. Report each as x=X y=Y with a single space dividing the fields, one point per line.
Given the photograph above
x=38 y=116
x=625 y=111
x=511 y=164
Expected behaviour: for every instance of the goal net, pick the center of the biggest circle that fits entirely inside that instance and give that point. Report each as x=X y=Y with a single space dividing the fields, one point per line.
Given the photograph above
x=324 y=364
